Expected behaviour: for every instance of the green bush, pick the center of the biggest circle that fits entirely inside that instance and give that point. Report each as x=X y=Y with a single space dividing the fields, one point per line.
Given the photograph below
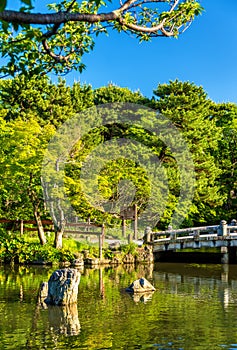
x=18 y=249
x=108 y=254
x=130 y=248
x=24 y=249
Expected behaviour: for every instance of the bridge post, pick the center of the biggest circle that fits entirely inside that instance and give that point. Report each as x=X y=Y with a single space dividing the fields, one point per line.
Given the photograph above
x=222 y=229
x=147 y=234
x=172 y=234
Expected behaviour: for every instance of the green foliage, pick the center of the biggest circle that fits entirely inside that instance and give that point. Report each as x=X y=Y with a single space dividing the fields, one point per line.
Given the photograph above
x=38 y=98
x=30 y=48
x=112 y=93
x=225 y=117
x=189 y=109
x=121 y=252
x=19 y=249
x=130 y=248
x=30 y=54
x=185 y=12
x=3 y=5
x=114 y=171
x=28 y=3
x=31 y=109
x=22 y=147
x=108 y=254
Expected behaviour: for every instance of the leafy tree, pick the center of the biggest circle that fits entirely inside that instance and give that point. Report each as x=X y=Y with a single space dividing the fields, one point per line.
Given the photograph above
x=38 y=98
x=188 y=107
x=191 y=112
x=28 y=120
x=34 y=43
x=31 y=108
x=107 y=176
x=225 y=117
x=82 y=97
x=113 y=93
x=112 y=173
x=112 y=179
x=22 y=145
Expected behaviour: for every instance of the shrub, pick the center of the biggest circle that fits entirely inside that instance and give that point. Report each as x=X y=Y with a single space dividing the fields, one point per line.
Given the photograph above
x=130 y=248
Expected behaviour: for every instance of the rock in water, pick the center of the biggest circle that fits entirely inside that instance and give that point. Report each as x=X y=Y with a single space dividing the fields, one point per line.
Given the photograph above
x=63 y=287
x=140 y=286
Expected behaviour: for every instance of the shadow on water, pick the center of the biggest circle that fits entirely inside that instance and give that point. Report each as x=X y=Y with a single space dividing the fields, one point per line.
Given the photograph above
x=217 y=271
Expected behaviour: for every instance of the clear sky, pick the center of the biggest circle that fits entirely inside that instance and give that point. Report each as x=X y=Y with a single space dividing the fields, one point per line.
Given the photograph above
x=206 y=54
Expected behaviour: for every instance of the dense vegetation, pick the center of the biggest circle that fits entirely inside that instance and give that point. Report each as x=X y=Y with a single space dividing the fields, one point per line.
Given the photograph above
x=32 y=109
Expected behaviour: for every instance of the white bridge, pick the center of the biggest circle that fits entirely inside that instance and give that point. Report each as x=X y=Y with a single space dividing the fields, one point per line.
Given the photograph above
x=221 y=236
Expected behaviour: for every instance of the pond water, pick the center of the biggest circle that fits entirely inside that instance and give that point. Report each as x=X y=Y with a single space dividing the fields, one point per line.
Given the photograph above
x=193 y=307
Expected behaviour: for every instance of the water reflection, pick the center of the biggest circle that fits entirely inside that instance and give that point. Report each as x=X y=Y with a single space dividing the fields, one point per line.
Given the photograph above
x=194 y=307
x=222 y=278
x=142 y=297
x=102 y=288
x=64 y=319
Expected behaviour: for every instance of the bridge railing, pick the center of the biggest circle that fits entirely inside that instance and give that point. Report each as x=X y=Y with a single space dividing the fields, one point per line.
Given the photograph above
x=193 y=233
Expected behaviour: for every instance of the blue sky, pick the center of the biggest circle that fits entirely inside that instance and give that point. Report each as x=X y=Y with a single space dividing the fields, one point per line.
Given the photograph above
x=206 y=54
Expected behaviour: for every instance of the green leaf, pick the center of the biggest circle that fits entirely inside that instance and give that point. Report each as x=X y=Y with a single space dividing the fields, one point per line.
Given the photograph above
x=3 y=5
x=5 y=26
x=27 y=2
x=15 y=26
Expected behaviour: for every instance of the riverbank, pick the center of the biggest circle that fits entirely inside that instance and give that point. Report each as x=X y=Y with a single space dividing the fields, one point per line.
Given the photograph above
x=25 y=250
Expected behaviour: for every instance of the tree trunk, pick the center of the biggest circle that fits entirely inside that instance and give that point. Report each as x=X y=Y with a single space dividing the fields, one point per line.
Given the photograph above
x=40 y=228
x=58 y=240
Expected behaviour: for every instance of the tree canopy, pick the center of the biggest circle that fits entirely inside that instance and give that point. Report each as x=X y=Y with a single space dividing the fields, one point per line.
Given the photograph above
x=34 y=43
x=31 y=110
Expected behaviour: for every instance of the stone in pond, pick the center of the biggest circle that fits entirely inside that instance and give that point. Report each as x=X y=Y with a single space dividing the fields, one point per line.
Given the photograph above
x=140 y=286
x=63 y=287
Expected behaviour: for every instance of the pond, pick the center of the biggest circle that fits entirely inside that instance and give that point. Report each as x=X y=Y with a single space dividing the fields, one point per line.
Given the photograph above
x=193 y=307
